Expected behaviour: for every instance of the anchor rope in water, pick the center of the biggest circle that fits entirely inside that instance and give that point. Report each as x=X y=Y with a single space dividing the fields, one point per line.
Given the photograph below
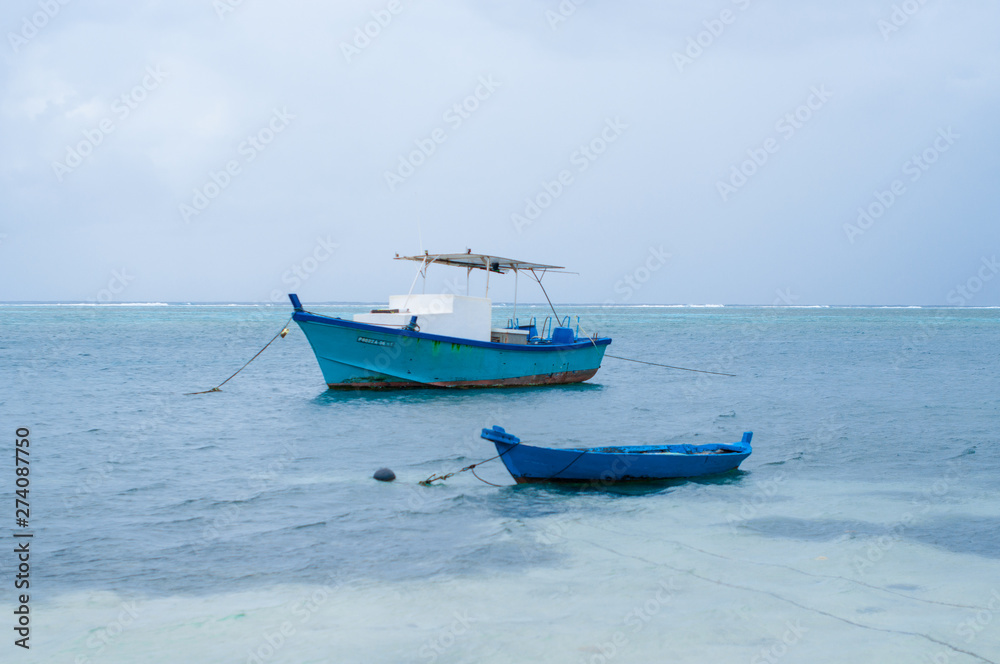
x=282 y=333
x=486 y=481
x=667 y=366
x=593 y=339
x=435 y=477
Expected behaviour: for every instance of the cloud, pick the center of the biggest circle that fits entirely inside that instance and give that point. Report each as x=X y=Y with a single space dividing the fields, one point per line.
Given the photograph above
x=366 y=83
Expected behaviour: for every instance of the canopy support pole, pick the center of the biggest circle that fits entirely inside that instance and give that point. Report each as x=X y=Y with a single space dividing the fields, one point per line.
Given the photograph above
x=538 y=279
x=514 y=319
x=412 y=285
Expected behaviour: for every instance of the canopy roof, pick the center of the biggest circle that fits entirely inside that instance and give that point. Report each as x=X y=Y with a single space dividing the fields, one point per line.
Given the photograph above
x=479 y=261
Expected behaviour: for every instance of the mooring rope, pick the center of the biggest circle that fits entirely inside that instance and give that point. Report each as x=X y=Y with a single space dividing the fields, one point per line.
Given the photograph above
x=435 y=477
x=667 y=366
x=486 y=481
x=593 y=339
x=552 y=476
x=282 y=333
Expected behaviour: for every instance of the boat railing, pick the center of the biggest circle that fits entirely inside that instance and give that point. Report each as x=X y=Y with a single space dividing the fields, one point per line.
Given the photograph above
x=531 y=326
x=544 y=335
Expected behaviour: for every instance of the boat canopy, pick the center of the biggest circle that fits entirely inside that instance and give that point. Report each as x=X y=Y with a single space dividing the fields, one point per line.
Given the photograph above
x=479 y=261
x=471 y=261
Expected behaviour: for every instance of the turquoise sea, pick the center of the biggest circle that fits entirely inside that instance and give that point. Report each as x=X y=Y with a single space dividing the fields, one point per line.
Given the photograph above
x=244 y=526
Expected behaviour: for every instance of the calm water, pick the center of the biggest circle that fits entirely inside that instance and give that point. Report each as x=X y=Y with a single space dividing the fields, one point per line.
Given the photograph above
x=244 y=526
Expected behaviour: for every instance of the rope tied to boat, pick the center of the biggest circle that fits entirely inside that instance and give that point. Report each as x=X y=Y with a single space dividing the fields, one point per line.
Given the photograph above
x=435 y=477
x=217 y=388
x=667 y=366
x=593 y=339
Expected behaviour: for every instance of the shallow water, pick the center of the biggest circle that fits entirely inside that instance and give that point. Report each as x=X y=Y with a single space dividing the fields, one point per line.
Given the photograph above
x=245 y=526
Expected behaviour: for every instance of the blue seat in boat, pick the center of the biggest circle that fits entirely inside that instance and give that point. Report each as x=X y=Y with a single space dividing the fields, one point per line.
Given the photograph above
x=563 y=335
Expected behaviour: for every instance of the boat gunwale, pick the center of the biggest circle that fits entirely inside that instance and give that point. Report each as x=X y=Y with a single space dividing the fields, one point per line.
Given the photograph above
x=736 y=449
x=308 y=316
x=654 y=450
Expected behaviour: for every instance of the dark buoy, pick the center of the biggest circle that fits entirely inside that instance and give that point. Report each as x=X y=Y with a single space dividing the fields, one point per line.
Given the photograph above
x=384 y=475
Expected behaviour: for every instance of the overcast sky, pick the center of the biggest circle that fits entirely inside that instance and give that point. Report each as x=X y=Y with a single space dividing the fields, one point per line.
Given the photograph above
x=703 y=152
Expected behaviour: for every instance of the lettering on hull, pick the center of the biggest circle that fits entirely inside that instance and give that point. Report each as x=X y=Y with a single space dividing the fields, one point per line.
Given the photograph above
x=375 y=342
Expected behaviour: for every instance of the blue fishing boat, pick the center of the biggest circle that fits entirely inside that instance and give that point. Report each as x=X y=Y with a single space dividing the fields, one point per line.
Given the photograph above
x=617 y=463
x=448 y=340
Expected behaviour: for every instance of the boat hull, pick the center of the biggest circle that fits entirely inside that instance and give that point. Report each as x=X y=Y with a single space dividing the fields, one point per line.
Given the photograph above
x=529 y=464
x=355 y=355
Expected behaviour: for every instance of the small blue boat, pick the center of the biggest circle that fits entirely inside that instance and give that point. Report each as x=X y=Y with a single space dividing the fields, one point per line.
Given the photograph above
x=615 y=464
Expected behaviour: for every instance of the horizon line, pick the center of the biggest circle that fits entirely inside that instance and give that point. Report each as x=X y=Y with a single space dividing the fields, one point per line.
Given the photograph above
x=542 y=304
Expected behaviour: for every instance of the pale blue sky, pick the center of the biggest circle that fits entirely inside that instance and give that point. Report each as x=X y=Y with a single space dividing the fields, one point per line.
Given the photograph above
x=625 y=132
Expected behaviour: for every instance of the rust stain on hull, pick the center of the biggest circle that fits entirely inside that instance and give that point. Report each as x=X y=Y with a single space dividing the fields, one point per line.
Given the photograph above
x=559 y=378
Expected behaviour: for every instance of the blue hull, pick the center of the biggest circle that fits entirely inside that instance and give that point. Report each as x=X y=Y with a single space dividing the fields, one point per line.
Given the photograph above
x=361 y=356
x=615 y=464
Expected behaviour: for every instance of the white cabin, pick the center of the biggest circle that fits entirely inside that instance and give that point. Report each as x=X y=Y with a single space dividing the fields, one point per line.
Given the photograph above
x=444 y=314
